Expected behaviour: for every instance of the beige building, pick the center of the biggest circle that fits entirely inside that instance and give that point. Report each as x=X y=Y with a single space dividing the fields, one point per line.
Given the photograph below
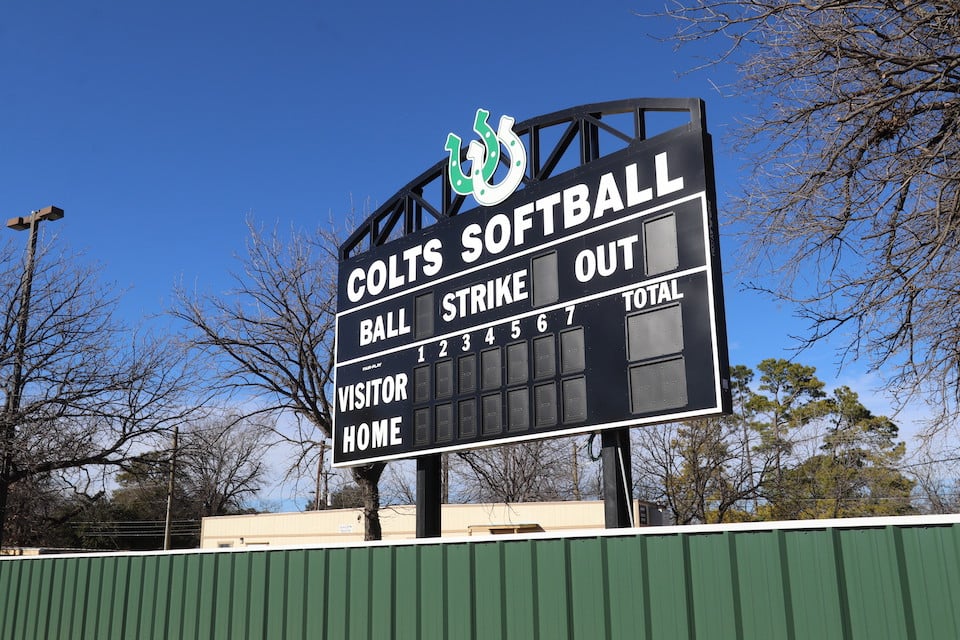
x=399 y=523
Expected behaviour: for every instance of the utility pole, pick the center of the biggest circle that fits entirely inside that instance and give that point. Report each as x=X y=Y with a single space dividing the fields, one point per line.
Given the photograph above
x=15 y=389
x=168 y=523
x=575 y=462
x=445 y=479
x=320 y=498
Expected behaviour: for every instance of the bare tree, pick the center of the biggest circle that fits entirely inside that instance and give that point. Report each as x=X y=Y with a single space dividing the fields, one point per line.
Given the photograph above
x=399 y=485
x=937 y=487
x=271 y=338
x=91 y=393
x=217 y=468
x=41 y=512
x=523 y=472
x=695 y=469
x=855 y=187
x=220 y=462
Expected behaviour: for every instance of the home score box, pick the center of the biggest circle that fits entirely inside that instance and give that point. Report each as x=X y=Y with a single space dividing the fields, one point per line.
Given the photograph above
x=587 y=301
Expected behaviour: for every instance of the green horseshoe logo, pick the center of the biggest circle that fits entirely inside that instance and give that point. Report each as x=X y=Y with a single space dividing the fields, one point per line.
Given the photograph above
x=461 y=183
x=484 y=156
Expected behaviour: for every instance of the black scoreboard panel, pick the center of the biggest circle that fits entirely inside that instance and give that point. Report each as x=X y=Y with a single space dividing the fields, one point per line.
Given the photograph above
x=592 y=301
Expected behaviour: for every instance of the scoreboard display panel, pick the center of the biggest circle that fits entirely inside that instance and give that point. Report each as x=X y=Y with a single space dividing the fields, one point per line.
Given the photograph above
x=588 y=301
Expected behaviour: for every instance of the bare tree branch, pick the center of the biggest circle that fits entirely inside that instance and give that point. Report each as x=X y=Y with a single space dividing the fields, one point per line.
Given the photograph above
x=93 y=393
x=854 y=195
x=270 y=339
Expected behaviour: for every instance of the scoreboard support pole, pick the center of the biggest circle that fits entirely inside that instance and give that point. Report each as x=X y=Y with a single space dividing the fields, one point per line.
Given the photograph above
x=617 y=478
x=429 y=484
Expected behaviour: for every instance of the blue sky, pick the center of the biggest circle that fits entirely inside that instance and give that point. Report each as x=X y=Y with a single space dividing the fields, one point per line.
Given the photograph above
x=158 y=127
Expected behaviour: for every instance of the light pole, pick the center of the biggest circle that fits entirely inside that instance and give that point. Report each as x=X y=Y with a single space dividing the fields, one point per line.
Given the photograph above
x=15 y=390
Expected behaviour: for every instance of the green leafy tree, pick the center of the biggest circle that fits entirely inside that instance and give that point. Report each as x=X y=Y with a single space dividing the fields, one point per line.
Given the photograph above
x=789 y=396
x=701 y=484
x=741 y=377
x=855 y=474
x=787 y=451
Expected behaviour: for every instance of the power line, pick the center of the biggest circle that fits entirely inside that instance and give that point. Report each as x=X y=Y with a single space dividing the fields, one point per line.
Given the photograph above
x=137 y=528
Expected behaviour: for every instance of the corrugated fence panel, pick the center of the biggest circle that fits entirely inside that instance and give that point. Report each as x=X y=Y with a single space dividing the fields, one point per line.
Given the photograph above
x=552 y=589
x=629 y=591
x=874 y=600
x=488 y=589
x=314 y=599
x=814 y=598
x=406 y=587
x=429 y=582
x=710 y=565
x=931 y=557
x=896 y=578
x=456 y=601
x=521 y=601
x=670 y=605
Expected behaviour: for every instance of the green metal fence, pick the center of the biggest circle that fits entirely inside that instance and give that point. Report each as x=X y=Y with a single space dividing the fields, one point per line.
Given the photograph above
x=872 y=579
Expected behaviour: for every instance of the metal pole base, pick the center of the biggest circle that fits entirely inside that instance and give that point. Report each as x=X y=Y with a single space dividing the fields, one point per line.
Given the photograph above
x=617 y=478
x=428 y=496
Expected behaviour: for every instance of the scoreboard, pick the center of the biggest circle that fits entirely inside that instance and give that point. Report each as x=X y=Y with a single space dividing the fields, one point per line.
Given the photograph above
x=587 y=301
